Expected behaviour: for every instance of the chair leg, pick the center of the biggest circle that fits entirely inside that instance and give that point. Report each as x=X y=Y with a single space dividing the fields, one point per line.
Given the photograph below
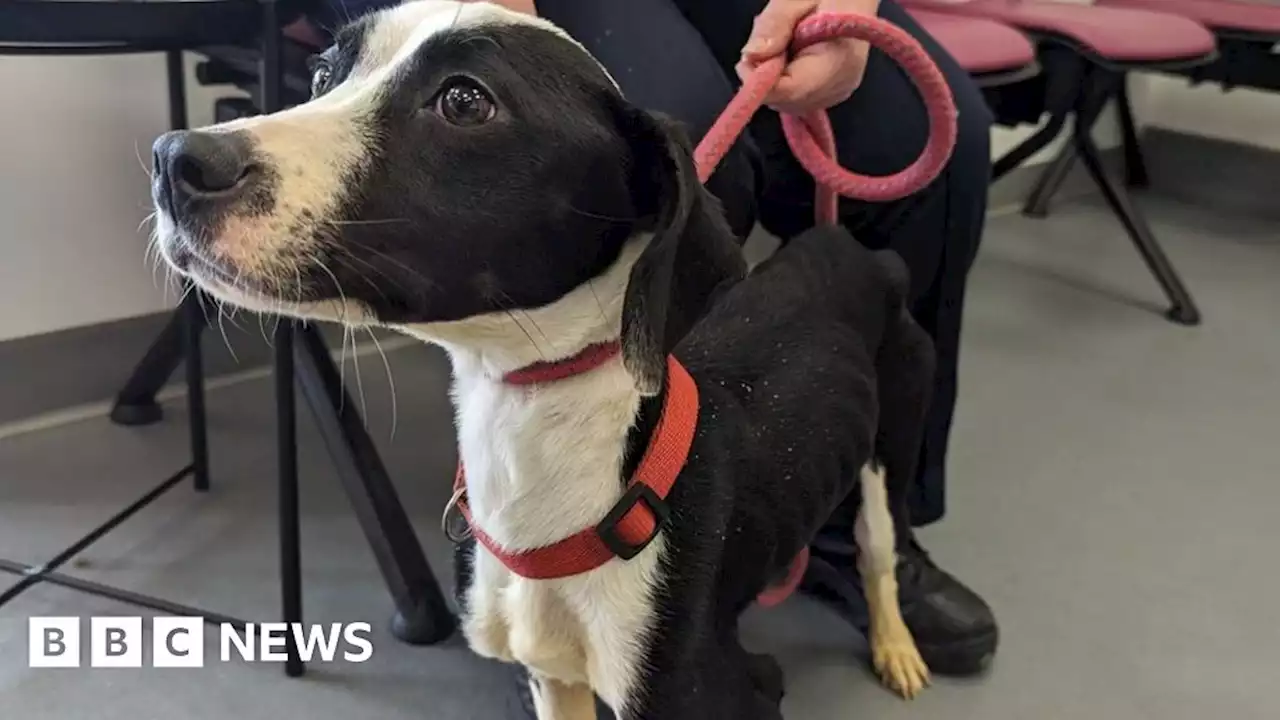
x=193 y=329
x=1100 y=89
x=284 y=371
x=287 y=459
x=422 y=614
x=1135 y=165
x=1050 y=182
x=136 y=402
x=1014 y=158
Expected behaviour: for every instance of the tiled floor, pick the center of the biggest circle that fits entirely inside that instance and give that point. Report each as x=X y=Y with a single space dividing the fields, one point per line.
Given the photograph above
x=1115 y=485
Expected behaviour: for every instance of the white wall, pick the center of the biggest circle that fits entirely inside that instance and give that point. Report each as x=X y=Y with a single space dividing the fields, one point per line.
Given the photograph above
x=72 y=191
x=1245 y=116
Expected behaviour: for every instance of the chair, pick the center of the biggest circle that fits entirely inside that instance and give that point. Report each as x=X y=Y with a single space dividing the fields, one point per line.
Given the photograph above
x=101 y=27
x=1086 y=53
x=995 y=54
x=1247 y=35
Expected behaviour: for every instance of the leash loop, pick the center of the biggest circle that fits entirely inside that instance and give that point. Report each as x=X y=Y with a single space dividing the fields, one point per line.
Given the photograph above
x=810 y=136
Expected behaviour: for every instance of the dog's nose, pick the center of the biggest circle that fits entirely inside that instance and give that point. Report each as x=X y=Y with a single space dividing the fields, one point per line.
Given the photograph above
x=193 y=165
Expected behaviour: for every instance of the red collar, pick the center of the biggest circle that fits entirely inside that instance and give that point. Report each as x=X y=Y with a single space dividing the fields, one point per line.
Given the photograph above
x=592 y=357
x=639 y=515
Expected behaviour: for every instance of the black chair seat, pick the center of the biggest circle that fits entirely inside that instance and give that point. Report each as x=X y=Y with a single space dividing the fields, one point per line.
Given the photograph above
x=66 y=27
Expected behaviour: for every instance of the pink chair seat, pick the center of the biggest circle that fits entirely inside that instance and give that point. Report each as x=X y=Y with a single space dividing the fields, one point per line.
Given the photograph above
x=980 y=46
x=1250 y=17
x=1115 y=34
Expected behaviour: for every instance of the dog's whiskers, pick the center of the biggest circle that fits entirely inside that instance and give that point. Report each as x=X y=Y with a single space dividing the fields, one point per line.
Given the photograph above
x=391 y=259
x=355 y=360
x=222 y=330
x=599 y=305
x=137 y=152
x=262 y=328
x=599 y=216
x=342 y=358
x=355 y=271
x=481 y=39
x=383 y=221
x=512 y=314
x=149 y=217
x=534 y=323
x=200 y=298
x=391 y=381
x=154 y=255
x=524 y=330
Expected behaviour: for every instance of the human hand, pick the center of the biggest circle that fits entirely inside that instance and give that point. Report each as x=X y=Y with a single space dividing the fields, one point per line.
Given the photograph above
x=819 y=76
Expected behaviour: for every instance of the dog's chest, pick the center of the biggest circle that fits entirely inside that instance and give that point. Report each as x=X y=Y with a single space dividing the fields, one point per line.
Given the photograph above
x=592 y=629
x=543 y=464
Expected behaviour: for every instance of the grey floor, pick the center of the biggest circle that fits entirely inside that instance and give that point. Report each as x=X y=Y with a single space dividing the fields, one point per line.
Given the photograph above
x=1115 y=483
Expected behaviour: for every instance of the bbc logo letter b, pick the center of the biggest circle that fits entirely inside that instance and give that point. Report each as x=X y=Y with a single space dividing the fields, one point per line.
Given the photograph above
x=53 y=642
x=115 y=642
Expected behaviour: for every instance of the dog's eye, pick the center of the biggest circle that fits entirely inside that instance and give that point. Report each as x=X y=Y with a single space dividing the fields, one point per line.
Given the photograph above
x=463 y=102
x=320 y=78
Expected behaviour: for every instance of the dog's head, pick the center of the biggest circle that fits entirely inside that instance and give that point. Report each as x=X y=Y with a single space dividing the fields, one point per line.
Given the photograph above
x=459 y=165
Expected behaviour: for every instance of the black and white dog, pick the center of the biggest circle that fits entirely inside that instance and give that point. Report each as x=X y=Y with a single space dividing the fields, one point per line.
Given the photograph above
x=474 y=179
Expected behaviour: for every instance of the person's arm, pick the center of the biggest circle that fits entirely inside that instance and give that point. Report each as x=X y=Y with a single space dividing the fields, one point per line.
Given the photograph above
x=818 y=76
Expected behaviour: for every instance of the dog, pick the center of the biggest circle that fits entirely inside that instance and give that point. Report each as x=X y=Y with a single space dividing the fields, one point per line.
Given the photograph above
x=473 y=178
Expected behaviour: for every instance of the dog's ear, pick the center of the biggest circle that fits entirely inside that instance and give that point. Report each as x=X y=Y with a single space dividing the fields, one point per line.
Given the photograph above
x=665 y=186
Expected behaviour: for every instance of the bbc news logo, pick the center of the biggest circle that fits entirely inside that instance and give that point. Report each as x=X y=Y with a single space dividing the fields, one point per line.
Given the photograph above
x=179 y=642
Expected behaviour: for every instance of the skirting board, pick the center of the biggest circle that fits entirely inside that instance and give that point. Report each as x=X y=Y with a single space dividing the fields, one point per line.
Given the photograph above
x=82 y=366
x=1230 y=177
x=88 y=365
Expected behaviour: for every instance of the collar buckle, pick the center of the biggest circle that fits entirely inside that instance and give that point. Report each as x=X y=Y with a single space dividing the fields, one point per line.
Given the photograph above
x=454 y=521
x=636 y=494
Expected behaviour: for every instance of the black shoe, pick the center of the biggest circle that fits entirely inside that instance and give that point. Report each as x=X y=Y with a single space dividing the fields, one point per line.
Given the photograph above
x=953 y=627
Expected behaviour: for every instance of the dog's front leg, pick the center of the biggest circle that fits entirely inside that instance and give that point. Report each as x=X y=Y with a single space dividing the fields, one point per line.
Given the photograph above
x=893 y=650
x=556 y=700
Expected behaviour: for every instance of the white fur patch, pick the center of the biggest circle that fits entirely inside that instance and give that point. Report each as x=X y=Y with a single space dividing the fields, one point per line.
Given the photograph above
x=398 y=32
x=543 y=464
x=873 y=529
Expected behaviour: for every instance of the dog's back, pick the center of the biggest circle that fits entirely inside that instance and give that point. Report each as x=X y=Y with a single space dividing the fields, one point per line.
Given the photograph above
x=786 y=366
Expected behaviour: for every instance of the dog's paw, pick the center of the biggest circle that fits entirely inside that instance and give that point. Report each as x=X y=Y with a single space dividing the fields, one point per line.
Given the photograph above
x=898 y=663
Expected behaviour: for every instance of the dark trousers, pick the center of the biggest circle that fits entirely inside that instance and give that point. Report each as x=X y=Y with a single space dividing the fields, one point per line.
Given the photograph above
x=677 y=57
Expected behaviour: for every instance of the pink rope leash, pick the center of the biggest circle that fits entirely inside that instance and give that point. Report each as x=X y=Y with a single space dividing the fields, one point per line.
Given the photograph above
x=810 y=136
x=811 y=139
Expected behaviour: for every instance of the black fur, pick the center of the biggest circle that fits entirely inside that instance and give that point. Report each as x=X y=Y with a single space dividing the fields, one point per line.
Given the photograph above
x=465 y=235
x=808 y=368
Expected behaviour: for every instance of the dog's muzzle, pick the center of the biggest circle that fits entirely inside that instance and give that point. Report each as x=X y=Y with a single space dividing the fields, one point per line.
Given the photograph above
x=200 y=174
